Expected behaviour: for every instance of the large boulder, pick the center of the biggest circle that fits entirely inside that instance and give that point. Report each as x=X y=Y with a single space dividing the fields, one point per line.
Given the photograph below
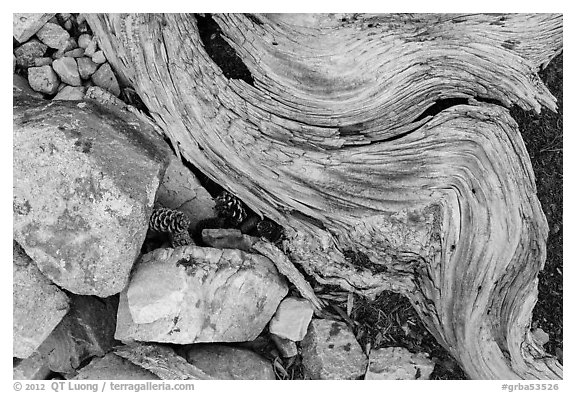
x=194 y=294
x=85 y=179
x=38 y=305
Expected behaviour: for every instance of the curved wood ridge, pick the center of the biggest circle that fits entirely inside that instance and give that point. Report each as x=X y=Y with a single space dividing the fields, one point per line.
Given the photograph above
x=333 y=141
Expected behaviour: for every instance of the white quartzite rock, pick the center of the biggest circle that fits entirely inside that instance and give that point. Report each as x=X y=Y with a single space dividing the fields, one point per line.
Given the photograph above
x=43 y=79
x=53 y=35
x=330 y=351
x=105 y=78
x=38 y=304
x=181 y=190
x=194 y=294
x=292 y=318
x=85 y=179
x=399 y=364
x=67 y=69
x=25 y=26
x=225 y=362
x=27 y=53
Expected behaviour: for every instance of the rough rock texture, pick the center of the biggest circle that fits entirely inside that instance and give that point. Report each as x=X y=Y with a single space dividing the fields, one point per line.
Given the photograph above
x=225 y=362
x=43 y=79
x=228 y=238
x=53 y=35
x=85 y=177
x=38 y=305
x=78 y=52
x=182 y=191
x=103 y=97
x=27 y=53
x=33 y=367
x=287 y=348
x=194 y=294
x=292 y=319
x=21 y=86
x=84 y=40
x=105 y=78
x=91 y=48
x=25 y=26
x=71 y=93
x=86 y=67
x=86 y=331
x=113 y=367
x=42 y=61
x=398 y=363
x=67 y=69
x=330 y=351
x=98 y=57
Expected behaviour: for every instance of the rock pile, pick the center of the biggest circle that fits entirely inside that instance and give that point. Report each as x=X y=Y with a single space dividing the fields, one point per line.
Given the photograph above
x=60 y=57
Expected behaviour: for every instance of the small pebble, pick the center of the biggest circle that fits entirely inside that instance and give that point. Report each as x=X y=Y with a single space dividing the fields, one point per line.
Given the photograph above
x=43 y=79
x=86 y=67
x=91 y=48
x=67 y=69
x=105 y=78
x=99 y=57
x=84 y=40
x=71 y=93
x=68 y=25
x=42 y=61
x=78 y=52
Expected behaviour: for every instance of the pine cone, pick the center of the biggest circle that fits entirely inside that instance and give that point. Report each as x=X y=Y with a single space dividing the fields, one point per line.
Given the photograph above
x=168 y=220
x=230 y=208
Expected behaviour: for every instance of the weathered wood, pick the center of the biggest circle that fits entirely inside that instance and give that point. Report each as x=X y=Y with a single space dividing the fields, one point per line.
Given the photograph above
x=331 y=140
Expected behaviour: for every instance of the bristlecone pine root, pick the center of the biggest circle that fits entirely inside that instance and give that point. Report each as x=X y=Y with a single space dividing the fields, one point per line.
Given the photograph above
x=173 y=222
x=230 y=208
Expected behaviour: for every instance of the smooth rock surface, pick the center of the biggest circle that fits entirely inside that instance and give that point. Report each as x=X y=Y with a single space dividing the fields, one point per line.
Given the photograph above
x=181 y=190
x=71 y=93
x=226 y=362
x=53 y=35
x=85 y=178
x=330 y=351
x=86 y=331
x=84 y=40
x=292 y=319
x=25 y=26
x=43 y=79
x=27 y=53
x=67 y=70
x=194 y=294
x=113 y=367
x=397 y=363
x=105 y=78
x=98 y=57
x=38 y=305
x=32 y=368
x=91 y=48
x=21 y=86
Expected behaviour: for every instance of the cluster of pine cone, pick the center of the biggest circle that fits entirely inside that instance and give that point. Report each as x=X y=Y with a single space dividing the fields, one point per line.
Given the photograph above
x=174 y=223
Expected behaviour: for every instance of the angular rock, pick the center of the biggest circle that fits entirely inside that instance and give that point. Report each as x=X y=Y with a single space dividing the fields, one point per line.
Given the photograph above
x=84 y=40
x=43 y=79
x=86 y=331
x=194 y=294
x=225 y=362
x=113 y=367
x=228 y=238
x=26 y=25
x=103 y=97
x=398 y=363
x=105 y=78
x=67 y=69
x=99 y=57
x=71 y=93
x=42 y=61
x=32 y=368
x=53 y=35
x=38 y=305
x=27 y=53
x=85 y=178
x=330 y=351
x=287 y=348
x=292 y=319
x=181 y=190
x=69 y=46
x=21 y=86
x=86 y=67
